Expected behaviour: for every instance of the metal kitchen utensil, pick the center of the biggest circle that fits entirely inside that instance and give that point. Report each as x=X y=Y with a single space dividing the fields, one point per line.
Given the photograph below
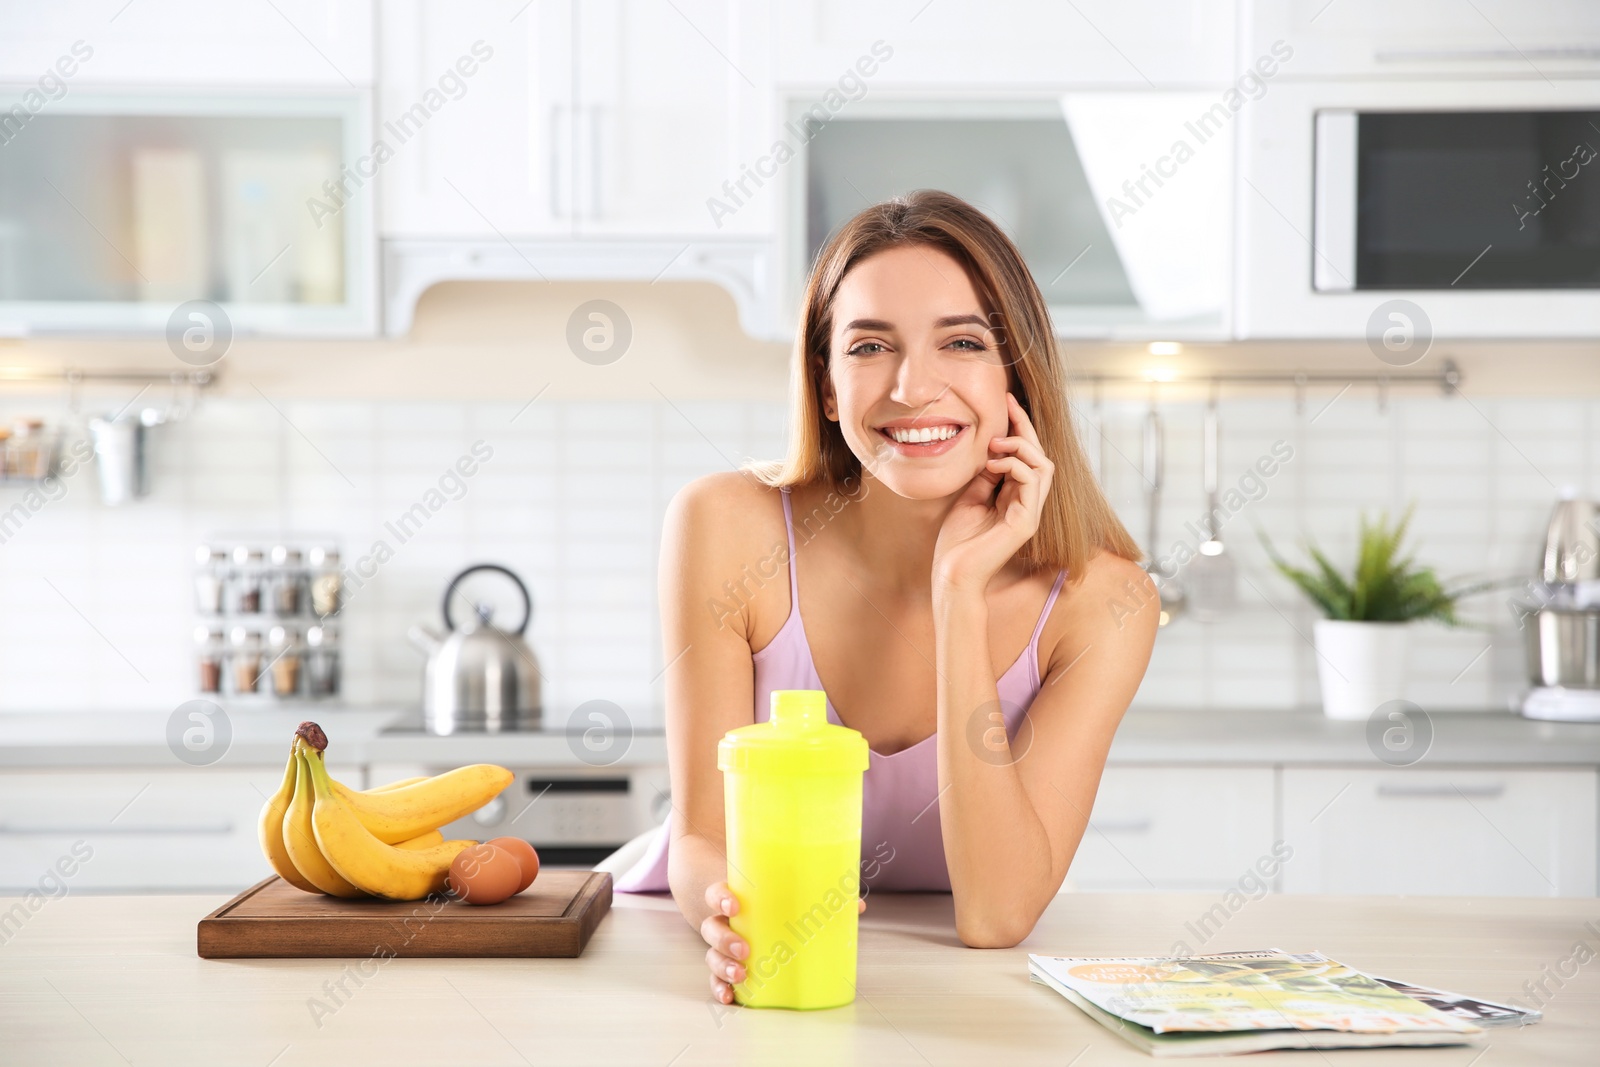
x=1170 y=589
x=1572 y=542
x=1210 y=578
x=121 y=455
x=480 y=677
x=1562 y=638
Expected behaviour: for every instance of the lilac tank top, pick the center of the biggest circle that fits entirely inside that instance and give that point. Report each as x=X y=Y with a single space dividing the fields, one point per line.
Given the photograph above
x=901 y=843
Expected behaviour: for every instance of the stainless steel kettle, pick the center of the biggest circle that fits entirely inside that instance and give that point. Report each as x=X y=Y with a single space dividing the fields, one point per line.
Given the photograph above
x=480 y=677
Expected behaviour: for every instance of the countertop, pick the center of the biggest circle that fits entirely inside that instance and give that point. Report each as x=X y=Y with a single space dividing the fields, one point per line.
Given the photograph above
x=94 y=980
x=1291 y=737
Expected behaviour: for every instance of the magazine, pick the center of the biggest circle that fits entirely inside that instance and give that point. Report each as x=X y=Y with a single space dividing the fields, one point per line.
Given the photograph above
x=1473 y=1010
x=1245 y=1002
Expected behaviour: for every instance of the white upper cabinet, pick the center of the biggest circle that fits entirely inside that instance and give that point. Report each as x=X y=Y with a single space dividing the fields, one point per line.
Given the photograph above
x=1447 y=38
x=620 y=117
x=323 y=44
x=673 y=100
x=461 y=100
x=957 y=45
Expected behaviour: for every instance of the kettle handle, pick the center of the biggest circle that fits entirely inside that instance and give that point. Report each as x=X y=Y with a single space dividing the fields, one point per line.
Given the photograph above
x=527 y=600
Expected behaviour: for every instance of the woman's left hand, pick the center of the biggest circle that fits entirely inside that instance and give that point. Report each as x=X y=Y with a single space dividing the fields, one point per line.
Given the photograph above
x=982 y=531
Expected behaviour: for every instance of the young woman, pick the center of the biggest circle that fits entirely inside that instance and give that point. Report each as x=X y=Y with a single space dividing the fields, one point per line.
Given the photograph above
x=935 y=555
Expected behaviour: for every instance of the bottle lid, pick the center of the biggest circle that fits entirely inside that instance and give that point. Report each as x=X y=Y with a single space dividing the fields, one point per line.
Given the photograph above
x=797 y=739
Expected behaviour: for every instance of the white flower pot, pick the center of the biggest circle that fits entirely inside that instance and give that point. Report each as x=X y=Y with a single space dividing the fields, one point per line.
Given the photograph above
x=1361 y=665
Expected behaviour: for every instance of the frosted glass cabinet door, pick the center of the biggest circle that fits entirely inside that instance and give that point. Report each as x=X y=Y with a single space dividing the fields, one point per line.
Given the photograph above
x=116 y=209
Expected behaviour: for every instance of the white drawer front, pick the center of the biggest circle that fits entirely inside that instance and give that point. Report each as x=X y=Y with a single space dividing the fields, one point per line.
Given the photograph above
x=1441 y=830
x=190 y=828
x=1176 y=828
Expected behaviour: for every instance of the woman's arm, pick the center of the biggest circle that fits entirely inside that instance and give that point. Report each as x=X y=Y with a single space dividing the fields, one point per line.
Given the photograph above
x=713 y=557
x=1012 y=817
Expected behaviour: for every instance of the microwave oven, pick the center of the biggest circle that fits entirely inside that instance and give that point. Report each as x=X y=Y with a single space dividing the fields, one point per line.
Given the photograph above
x=1456 y=199
x=1473 y=205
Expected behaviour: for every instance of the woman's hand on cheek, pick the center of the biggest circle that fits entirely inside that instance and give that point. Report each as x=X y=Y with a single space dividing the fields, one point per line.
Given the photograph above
x=983 y=531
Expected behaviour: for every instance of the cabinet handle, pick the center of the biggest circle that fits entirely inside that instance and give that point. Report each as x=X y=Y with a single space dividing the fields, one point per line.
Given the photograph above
x=594 y=162
x=26 y=830
x=1394 y=789
x=1121 y=826
x=555 y=162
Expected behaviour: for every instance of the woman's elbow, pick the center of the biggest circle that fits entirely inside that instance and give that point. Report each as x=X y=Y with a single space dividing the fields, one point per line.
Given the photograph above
x=993 y=934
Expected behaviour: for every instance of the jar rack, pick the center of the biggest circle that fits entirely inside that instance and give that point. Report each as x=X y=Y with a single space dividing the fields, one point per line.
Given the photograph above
x=268 y=610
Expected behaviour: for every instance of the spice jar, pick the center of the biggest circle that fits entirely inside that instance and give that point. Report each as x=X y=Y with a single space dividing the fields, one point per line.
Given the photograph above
x=245 y=659
x=247 y=574
x=287 y=580
x=327 y=584
x=28 y=452
x=322 y=661
x=212 y=567
x=285 y=645
x=208 y=643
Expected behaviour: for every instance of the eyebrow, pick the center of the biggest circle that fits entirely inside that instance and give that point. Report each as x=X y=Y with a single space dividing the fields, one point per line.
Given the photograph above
x=938 y=324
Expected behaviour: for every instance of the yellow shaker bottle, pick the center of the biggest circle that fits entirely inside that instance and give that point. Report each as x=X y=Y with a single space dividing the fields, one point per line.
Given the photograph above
x=792 y=788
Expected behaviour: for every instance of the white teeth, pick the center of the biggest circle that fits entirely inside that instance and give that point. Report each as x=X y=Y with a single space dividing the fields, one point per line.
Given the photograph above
x=925 y=435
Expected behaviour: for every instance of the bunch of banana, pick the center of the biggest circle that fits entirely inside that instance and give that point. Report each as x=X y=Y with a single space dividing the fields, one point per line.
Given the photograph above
x=322 y=837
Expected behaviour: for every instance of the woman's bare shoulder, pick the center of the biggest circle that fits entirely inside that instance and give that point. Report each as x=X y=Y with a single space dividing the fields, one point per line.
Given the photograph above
x=733 y=513
x=1111 y=592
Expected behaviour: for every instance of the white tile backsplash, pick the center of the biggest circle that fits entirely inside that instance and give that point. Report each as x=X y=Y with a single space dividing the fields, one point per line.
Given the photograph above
x=96 y=599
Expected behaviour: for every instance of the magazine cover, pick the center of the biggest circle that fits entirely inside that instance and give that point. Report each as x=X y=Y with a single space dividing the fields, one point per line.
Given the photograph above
x=1245 y=991
x=1473 y=1010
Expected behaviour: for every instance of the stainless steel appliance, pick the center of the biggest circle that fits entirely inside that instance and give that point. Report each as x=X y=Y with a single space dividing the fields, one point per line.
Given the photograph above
x=1562 y=638
x=478 y=676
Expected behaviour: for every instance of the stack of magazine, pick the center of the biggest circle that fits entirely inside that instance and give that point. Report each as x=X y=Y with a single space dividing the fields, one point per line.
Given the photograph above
x=1251 y=1001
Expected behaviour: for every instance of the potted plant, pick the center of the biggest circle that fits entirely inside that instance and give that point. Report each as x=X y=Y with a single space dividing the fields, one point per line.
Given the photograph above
x=1362 y=642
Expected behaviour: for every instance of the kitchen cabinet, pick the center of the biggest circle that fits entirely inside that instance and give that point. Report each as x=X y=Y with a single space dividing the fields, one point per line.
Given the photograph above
x=1428 y=38
x=1176 y=829
x=1009 y=43
x=185 y=209
x=313 y=44
x=1441 y=830
x=136 y=828
x=613 y=118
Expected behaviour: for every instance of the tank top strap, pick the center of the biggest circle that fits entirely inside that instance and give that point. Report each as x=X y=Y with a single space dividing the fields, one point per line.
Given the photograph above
x=788 y=530
x=1049 y=602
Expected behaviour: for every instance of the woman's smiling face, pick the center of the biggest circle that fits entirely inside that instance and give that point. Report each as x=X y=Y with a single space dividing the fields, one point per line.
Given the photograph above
x=917 y=379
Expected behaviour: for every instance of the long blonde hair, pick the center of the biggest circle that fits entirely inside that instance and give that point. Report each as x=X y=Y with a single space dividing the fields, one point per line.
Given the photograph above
x=1077 y=521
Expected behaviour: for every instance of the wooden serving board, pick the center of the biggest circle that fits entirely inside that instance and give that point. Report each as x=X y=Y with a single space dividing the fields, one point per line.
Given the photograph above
x=272 y=919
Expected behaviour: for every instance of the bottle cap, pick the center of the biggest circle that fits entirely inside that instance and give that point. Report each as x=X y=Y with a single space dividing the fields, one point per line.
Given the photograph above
x=796 y=739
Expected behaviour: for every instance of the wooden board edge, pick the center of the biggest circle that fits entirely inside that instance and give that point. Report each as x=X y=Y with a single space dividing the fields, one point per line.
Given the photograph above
x=240 y=898
x=214 y=935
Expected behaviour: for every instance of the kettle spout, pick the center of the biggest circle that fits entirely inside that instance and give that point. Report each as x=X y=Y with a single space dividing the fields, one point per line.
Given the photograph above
x=424 y=640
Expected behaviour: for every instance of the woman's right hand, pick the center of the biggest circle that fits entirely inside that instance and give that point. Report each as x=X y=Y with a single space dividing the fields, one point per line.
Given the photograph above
x=727 y=951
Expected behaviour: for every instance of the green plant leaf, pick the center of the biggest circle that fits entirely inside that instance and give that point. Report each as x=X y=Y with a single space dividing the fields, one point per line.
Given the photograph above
x=1386 y=585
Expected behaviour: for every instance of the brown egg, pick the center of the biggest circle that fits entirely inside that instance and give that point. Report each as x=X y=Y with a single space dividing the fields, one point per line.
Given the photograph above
x=484 y=874
x=526 y=857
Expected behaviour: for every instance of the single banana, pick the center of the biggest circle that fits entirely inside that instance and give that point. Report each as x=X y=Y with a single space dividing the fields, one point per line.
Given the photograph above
x=270 y=830
x=422 y=841
x=381 y=869
x=300 y=840
x=395 y=785
x=401 y=813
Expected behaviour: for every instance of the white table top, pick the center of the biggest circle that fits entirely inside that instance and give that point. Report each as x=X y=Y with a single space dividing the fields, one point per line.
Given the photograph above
x=89 y=980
